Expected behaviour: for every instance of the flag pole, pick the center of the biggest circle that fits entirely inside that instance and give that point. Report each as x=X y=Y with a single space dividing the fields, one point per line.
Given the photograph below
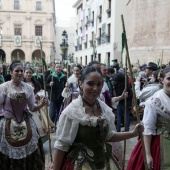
x=159 y=75
x=125 y=112
x=134 y=94
x=67 y=88
x=18 y=58
x=46 y=109
x=128 y=3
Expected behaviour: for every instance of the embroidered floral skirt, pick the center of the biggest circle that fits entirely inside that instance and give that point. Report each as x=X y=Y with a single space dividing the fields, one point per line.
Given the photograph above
x=26 y=153
x=34 y=161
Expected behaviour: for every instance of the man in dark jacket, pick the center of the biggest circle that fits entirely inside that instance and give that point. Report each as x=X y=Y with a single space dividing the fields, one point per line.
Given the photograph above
x=38 y=77
x=57 y=81
x=118 y=81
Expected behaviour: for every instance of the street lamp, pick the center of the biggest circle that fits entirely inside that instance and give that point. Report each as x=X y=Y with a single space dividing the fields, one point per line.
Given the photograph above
x=64 y=45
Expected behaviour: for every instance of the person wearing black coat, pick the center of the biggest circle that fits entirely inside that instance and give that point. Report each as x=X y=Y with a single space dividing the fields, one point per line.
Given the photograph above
x=118 y=82
x=38 y=77
x=56 y=80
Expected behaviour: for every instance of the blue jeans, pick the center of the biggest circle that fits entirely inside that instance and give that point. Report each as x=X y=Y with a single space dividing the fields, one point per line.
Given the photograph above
x=120 y=116
x=54 y=110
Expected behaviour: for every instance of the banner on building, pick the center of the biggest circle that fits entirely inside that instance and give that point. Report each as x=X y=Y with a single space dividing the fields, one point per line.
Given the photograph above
x=103 y=34
x=0 y=40
x=17 y=41
x=37 y=40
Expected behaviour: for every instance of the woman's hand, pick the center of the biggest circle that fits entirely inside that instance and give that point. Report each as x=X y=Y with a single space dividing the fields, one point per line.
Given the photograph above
x=124 y=95
x=51 y=83
x=149 y=161
x=44 y=101
x=51 y=166
x=66 y=85
x=139 y=128
x=138 y=79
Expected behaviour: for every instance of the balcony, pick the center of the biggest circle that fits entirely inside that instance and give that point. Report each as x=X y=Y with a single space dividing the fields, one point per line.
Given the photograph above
x=85 y=45
x=91 y=43
x=107 y=38
x=76 y=48
x=81 y=29
x=86 y=27
x=100 y=18
x=99 y=41
x=92 y=22
x=77 y=31
x=80 y=47
x=108 y=12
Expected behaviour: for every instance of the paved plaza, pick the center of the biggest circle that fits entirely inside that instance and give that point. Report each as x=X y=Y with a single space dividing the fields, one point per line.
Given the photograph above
x=129 y=146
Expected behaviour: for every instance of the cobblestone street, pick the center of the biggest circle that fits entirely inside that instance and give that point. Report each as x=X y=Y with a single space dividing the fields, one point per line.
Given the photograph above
x=129 y=146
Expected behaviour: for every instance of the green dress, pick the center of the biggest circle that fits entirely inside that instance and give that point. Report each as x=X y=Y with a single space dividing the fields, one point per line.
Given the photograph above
x=84 y=140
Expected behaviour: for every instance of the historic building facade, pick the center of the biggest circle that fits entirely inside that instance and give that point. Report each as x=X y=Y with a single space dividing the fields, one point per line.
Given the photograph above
x=148 y=30
x=98 y=30
x=23 y=24
x=95 y=31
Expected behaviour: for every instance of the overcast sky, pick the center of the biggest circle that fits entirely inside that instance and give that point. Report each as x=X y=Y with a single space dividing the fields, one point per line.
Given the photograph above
x=64 y=9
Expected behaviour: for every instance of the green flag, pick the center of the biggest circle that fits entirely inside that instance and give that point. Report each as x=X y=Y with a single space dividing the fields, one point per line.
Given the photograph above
x=44 y=63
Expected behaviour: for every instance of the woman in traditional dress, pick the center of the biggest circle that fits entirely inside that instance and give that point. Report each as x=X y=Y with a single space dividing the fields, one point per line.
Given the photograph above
x=20 y=146
x=40 y=119
x=85 y=127
x=156 y=122
x=71 y=91
x=149 y=88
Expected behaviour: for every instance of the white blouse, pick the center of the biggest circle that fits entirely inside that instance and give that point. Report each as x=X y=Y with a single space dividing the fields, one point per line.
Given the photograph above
x=75 y=114
x=158 y=104
x=7 y=88
x=147 y=91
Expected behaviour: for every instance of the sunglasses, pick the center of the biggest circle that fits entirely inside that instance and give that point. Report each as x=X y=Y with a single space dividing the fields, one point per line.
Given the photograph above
x=17 y=71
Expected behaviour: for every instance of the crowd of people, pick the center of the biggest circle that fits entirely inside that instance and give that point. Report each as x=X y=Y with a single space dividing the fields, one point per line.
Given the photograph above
x=90 y=111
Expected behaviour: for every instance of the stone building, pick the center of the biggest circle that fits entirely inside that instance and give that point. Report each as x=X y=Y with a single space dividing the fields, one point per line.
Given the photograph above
x=98 y=30
x=148 y=30
x=23 y=24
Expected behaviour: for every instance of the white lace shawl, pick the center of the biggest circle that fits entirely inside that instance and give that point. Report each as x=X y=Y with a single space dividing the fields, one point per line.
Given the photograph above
x=71 y=79
x=158 y=104
x=75 y=114
x=146 y=92
x=7 y=88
